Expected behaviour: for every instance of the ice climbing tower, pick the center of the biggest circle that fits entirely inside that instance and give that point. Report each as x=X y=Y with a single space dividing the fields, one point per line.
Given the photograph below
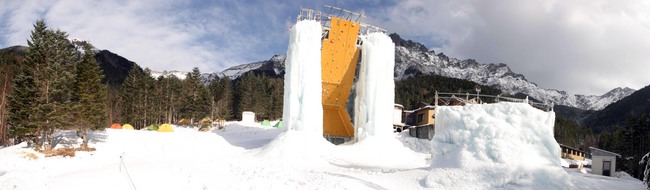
x=340 y=52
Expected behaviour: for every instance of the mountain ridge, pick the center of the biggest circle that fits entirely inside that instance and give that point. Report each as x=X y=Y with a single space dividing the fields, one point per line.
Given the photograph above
x=413 y=59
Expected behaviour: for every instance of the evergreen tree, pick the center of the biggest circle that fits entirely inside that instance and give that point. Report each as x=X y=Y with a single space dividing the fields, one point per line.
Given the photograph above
x=131 y=95
x=89 y=96
x=147 y=99
x=196 y=104
x=172 y=87
x=8 y=68
x=21 y=102
x=50 y=60
x=221 y=91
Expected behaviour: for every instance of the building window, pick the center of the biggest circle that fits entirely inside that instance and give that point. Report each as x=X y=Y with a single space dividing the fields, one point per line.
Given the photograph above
x=420 y=117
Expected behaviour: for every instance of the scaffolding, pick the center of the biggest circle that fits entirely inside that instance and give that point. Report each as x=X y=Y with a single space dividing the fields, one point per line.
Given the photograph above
x=325 y=18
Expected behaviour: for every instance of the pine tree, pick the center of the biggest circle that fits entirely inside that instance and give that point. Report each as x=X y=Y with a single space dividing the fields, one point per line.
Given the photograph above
x=145 y=102
x=172 y=88
x=8 y=68
x=49 y=64
x=195 y=102
x=221 y=92
x=21 y=102
x=130 y=95
x=89 y=96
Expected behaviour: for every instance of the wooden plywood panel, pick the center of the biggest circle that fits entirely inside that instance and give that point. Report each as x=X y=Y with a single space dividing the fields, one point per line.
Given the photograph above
x=339 y=56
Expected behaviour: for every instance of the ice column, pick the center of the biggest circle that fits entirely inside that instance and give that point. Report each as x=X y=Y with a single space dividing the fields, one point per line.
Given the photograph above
x=375 y=94
x=303 y=109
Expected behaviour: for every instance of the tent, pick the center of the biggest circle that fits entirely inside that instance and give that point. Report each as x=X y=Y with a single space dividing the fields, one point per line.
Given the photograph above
x=184 y=122
x=266 y=123
x=152 y=127
x=278 y=124
x=165 y=128
x=127 y=127
x=116 y=126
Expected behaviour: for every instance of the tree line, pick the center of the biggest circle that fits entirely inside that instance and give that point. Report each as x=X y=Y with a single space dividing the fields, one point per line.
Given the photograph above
x=56 y=87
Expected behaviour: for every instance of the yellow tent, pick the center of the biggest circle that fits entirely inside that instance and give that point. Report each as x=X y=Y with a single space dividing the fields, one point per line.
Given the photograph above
x=165 y=128
x=127 y=127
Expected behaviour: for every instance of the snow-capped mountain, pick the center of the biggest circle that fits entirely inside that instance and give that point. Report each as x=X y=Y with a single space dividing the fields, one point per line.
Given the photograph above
x=273 y=66
x=179 y=74
x=411 y=59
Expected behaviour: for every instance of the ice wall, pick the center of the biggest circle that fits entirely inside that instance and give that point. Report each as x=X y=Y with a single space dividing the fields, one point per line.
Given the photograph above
x=303 y=143
x=303 y=110
x=375 y=91
x=503 y=145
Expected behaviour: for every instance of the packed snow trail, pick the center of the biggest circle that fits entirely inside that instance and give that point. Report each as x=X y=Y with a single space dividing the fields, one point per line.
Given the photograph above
x=507 y=145
x=375 y=91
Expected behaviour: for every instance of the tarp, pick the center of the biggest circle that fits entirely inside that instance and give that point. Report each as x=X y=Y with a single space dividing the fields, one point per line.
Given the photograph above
x=127 y=127
x=165 y=128
x=116 y=126
x=266 y=123
x=278 y=124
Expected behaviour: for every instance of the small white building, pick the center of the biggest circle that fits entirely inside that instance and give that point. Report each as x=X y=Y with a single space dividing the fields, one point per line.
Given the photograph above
x=397 y=116
x=248 y=117
x=603 y=162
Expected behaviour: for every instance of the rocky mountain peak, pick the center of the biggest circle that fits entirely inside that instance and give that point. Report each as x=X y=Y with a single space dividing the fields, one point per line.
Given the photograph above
x=411 y=45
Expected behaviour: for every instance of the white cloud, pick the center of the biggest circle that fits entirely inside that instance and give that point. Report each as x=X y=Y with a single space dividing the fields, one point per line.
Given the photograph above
x=161 y=35
x=579 y=46
x=585 y=47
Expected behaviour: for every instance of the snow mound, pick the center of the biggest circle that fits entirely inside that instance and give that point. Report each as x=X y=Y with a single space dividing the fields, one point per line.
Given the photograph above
x=378 y=152
x=297 y=149
x=495 y=146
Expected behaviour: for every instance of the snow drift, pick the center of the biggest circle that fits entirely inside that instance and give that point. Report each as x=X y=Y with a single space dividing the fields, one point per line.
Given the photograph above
x=503 y=145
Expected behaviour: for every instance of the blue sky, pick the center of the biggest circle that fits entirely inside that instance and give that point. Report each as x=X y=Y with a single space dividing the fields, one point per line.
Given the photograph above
x=586 y=47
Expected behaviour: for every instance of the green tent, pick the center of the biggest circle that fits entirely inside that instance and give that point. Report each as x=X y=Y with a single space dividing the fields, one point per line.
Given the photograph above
x=152 y=127
x=266 y=123
x=278 y=124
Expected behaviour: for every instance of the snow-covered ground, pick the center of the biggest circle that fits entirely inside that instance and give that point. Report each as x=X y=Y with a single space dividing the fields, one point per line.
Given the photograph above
x=234 y=158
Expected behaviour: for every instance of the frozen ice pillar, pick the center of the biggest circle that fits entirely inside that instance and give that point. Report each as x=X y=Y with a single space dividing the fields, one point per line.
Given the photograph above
x=303 y=109
x=375 y=91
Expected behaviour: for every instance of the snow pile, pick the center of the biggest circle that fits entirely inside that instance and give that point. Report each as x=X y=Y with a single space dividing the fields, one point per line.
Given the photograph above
x=499 y=145
x=375 y=93
x=303 y=111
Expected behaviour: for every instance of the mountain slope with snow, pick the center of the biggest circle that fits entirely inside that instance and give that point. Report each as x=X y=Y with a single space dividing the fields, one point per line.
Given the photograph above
x=413 y=59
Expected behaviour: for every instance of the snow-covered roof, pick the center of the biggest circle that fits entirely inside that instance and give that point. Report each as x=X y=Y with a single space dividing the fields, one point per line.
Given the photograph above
x=601 y=152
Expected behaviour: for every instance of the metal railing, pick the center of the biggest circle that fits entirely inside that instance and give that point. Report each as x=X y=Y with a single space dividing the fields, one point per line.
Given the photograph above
x=325 y=18
x=448 y=98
